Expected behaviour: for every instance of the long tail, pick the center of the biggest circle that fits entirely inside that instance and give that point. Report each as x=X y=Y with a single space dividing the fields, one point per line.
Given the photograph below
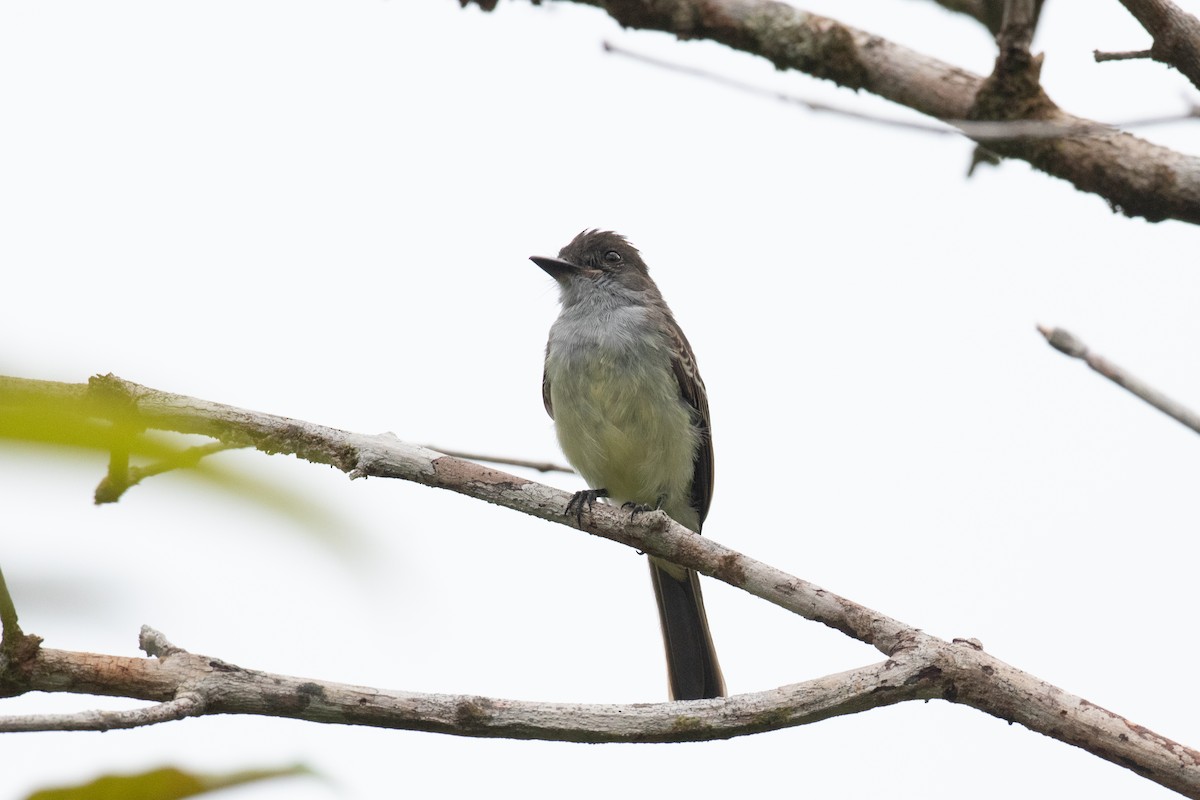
x=692 y=667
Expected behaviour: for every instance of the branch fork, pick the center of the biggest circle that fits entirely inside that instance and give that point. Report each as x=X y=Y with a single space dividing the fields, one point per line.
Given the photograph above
x=917 y=665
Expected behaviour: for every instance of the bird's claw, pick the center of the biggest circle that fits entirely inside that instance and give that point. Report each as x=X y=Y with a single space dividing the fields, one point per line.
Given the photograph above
x=637 y=508
x=642 y=508
x=577 y=502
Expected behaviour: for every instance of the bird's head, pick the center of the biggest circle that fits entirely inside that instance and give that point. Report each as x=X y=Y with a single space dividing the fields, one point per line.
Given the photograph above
x=597 y=260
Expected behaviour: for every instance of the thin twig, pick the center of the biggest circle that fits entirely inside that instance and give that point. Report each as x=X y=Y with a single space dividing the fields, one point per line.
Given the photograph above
x=1122 y=55
x=17 y=648
x=979 y=130
x=1067 y=343
x=8 y=615
x=1176 y=34
x=540 y=466
x=117 y=479
x=983 y=11
x=187 y=704
x=122 y=476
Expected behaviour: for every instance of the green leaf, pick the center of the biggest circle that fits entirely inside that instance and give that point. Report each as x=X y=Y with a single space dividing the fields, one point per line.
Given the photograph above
x=167 y=783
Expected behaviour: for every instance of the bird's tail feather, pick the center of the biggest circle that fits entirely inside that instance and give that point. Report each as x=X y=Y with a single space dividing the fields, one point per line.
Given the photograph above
x=692 y=668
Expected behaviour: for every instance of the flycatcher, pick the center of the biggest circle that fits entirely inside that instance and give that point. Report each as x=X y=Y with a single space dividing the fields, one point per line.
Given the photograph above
x=631 y=415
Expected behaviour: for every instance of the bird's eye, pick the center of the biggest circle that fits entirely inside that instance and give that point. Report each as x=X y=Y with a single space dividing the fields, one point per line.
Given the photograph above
x=612 y=257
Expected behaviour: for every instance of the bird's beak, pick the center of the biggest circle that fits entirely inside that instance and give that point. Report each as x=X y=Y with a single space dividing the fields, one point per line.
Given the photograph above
x=556 y=268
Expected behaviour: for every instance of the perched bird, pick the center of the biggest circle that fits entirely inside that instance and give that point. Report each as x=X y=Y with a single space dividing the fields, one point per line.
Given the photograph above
x=631 y=414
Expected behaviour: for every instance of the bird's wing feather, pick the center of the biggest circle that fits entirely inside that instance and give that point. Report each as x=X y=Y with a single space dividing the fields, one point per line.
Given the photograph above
x=691 y=389
x=546 y=385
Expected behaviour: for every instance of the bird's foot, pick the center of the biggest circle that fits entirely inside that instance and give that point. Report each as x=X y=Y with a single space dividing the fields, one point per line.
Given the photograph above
x=642 y=508
x=577 y=502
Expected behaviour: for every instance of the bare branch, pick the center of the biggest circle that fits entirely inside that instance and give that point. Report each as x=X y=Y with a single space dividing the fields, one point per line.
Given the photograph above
x=121 y=476
x=923 y=668
x=980 y=131
x=1124 y=55
x=540 y=466
x=1013 y=91
x=1176 y=34
x=1136 y=177
x=362 y=455
x=211 y=686
x=187 y=704
x=1016 y=27
x=919 y=666
x=1067 y=343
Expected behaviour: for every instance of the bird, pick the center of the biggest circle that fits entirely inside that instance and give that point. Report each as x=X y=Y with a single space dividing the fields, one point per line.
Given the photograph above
x=631 y=415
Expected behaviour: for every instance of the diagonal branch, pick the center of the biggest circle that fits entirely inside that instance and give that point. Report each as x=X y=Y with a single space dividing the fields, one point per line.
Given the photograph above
x=980 y=131
x=1136 y=177
x=1016 y=27
x=122 y=476
x=919 y=666
x=540 y=466
x=1176 y=34
x=1066 y=343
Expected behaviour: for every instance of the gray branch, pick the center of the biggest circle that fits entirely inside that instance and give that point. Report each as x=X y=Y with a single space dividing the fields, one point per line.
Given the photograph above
x=1136 y=177
x=918 y=666
x=187 y=704
x=540 y=466
x=1123 y=55
x=980 y=131
x=1066 y=343
x=1176 y=34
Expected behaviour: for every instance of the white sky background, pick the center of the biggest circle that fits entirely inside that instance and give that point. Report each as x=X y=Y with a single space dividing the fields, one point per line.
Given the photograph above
x=324 y=210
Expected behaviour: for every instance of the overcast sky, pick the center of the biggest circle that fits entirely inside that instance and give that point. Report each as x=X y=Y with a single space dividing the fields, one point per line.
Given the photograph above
x=325 y=209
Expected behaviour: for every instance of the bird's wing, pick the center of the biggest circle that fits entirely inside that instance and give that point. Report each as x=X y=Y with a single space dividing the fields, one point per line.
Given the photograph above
x=546 y=385
x=691 y=389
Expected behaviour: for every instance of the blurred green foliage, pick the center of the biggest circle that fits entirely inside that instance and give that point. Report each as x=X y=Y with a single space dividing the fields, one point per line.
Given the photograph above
x=166 y=783
x=86 y=417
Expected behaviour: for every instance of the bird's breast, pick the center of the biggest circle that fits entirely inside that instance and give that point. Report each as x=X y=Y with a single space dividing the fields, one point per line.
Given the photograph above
x=618 y=412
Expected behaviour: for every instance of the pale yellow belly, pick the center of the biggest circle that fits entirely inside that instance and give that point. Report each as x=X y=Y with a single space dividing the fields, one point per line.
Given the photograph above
x=628 y=431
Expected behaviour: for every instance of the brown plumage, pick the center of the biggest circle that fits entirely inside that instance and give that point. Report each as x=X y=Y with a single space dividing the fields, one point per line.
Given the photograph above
x=636 y=424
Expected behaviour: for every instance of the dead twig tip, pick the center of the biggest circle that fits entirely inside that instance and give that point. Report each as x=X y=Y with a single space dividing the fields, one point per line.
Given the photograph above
x=154 y=643
x=1063 y=341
